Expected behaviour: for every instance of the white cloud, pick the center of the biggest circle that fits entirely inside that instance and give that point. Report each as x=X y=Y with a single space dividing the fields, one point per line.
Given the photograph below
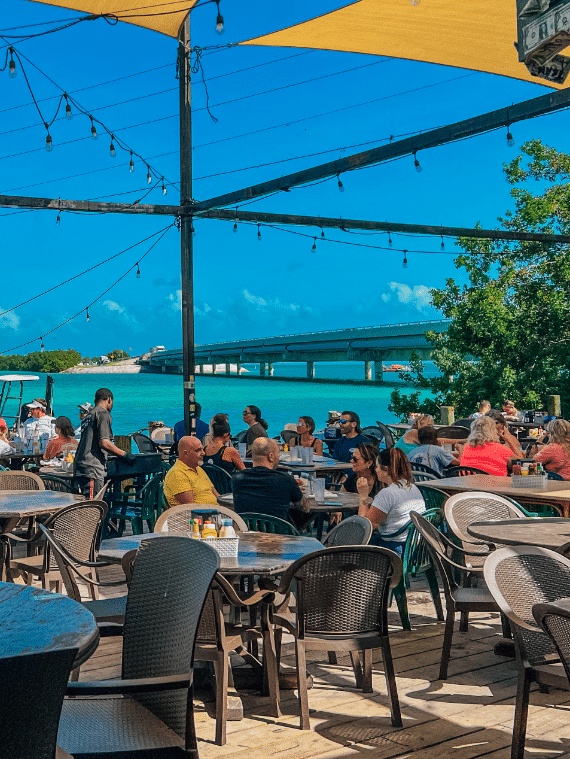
x=418 y=296
x=175 y=300
x=117 y=310
x=9 y=320
x=110 y=305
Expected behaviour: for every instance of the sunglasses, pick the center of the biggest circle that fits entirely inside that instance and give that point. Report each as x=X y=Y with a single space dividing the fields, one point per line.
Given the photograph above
x=354 y=459
x=344 y=421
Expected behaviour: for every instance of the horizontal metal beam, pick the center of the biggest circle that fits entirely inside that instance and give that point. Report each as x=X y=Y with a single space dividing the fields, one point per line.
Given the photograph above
x=380 y=226
x=528 y=109
x=58 y=204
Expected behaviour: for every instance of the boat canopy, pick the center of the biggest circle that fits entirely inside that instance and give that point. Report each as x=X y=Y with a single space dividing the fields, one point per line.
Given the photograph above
x=18 y=377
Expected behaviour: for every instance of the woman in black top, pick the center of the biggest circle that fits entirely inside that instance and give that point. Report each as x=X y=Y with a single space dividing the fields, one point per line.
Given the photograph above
x=305 y=428
x=257 y=425
x=219 y=453
x=363 y=465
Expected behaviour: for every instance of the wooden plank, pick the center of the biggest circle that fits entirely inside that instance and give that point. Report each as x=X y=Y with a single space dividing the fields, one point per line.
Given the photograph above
x=486 y=122
x=59 y=204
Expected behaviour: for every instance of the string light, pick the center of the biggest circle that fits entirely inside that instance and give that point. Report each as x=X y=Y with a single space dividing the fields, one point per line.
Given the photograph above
x=87 y=314
x=58 y=220
x=138 y=271
x=192 y=230
x=322 y=232
x=131 y=163
x=510 y=138
x=219 y=19
x=235 y=226
x=148 y=175
x=442 y=246
x=112 y=150
x=68 y=114
x=314 y=244
x=389 y=239
x=405 y=263
x=258 y=234
x=12 y=66
x=42 y=345
x=163 y=187
x=93 y=130
x=417 y=163
x=340 y=184
x=49 y=144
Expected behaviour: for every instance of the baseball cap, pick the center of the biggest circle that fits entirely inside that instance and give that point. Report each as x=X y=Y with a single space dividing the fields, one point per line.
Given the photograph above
x=85 y=407
x=36 y=404
x=3 y=424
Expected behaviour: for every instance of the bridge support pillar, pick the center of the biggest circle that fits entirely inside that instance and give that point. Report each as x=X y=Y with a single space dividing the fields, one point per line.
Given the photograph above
x=378 y=371
x=310 y=370
x=227 y=368
x=262 y=368
x=270 y=370
x=368 y=370
x=163 y=369
x=238 y=369
x=198 y=369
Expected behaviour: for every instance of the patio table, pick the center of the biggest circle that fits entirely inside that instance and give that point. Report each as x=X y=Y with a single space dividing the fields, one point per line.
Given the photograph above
x=548 y=532
x=19 y=504
x=35 y=620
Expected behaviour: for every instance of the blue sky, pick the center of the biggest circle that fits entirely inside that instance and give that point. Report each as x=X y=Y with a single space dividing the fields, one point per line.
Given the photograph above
x=243 y=287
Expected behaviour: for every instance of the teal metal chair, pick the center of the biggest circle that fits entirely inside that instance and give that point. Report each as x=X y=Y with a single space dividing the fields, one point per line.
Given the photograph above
x=57 y=484
x=434 y=498
x=416 y=559
x=266 y=523
x=141 y=508
x=220 y=479
x=537 y=509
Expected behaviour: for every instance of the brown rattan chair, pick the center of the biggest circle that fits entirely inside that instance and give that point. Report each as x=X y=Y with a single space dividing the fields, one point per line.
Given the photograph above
x=342 y=606
x=155 y=715
x=518 y=578
x=75 y=528
x=20 y=481
x=39 y=679
x=177 y=518
x=457 y=599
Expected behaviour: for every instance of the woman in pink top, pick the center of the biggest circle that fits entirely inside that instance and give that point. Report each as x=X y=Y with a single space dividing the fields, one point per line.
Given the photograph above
x=556 y=455
x=483 y=449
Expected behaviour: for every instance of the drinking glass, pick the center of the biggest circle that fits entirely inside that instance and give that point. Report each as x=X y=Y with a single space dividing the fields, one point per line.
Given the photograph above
x=319 y=490
x=242 y=449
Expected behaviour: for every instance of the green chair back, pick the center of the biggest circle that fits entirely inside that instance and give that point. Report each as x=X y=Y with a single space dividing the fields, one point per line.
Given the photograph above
x=266 y=523
x=537 y=509
x=434 y=498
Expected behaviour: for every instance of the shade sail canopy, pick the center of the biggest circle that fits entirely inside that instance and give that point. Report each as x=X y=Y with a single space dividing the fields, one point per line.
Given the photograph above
x=164 y=17
x=468 y=34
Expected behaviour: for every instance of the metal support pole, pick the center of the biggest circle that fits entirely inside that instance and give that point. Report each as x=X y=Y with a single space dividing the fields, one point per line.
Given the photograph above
x=186 y=226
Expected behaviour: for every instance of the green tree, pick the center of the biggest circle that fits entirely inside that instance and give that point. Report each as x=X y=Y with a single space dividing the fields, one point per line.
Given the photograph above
x=510 y=325
x=117 y=355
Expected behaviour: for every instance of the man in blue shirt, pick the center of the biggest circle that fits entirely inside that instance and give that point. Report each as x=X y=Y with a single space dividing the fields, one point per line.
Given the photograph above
x=351 y=436
x=201 y=427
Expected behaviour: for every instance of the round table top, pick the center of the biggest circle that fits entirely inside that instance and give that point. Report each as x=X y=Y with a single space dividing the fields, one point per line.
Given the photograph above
x=335 y=502
x=549 y=532
x=27 y=503
x=34 y=620
x=260 y=553
x=490 y=483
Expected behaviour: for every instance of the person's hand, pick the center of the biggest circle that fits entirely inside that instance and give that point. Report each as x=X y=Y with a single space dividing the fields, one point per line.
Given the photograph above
x=129 y=458
x=362 y=486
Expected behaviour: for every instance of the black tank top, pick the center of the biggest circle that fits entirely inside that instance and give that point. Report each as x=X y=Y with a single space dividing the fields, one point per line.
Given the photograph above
x=217 y=460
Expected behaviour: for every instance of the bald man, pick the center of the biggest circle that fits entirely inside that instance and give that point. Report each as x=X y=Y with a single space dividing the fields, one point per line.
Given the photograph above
x=263 y=490
x=186 y=481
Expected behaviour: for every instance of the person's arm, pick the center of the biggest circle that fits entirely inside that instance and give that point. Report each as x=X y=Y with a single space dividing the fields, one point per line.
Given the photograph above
x=509 y=439
x=234 y=457
x=186 y=497
x=365 y=507
x=298 y=499
x=411 y=437
x=318 y=447
x=110 y=447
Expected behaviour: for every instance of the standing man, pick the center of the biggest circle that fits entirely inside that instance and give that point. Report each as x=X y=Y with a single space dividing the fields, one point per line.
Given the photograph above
x=90 y=468
x=351 y=436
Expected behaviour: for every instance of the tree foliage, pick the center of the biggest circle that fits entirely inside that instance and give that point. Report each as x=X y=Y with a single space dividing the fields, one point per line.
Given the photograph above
x=45 y=361
x=509 y=334
x=117 y=355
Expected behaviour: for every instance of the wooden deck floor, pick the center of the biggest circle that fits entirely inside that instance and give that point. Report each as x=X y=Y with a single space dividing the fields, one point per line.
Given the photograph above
x=468 y=716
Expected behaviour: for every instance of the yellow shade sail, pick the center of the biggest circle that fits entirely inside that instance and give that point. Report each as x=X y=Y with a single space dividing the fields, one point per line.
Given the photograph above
x=468 y=34
x=164 y=17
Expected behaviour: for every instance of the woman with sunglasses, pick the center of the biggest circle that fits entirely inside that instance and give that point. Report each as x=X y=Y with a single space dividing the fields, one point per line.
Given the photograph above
x=257 y=426
x=389 y=511
x=305 y=428
x=363 y=465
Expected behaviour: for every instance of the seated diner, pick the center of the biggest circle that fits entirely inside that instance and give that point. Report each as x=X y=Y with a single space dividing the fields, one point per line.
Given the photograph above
x=305 y=428
x=409 y=440
x=484 y=450
x=556 y=455
x=64 y=440
x=186 y=481
x=363 y=465
x=430 y=453
x=219 y=452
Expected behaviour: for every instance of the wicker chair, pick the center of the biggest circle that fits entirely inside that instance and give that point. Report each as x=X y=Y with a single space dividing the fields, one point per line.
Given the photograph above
x=418 y=468
x=353 y=531
x=463 y=471
x=434 y=498
x=33 y=679
x=221 y=480
x=342 y=602
x=518 y=578
x=267 y=523
x=75 y=528
x=177 y=518
x=416 y=559
x=155 y=715
x=57 y=484
x=456 y=599
x=20 y=481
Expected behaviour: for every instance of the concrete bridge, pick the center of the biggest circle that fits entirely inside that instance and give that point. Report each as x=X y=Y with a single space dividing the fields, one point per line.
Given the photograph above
x=371 y=345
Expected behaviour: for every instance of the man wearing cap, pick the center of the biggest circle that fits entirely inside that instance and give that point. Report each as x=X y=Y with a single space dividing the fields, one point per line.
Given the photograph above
x=84 y=409
x=90 y=467
x=38 y=422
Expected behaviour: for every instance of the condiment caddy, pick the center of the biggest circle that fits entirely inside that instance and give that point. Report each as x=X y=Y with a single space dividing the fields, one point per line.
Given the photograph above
x=225 y=541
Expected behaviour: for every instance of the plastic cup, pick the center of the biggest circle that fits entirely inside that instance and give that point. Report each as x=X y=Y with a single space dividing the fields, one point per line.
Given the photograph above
x=242 y=449
x=319 y=490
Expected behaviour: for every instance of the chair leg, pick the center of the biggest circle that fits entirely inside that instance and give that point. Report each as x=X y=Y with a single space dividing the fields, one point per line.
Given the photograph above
x=399 y=593
x=191 y=743
x=137 y=526
x=464 y=621
x=357 y=668
x=390 y=681
x=302 y=683
x=366 y=682
x=507 y=632
x=447 y=638
x=521 y=715
x=332 y=657
x=431 y=577
x=271 y=660
x=221 y=671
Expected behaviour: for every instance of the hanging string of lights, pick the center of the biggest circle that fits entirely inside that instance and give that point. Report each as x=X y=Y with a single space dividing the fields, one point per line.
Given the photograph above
x=85 y=309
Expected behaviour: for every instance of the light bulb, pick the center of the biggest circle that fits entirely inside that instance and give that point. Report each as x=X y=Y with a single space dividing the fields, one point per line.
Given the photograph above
x=12 y=69
x=163 y=187
x=58 y=220
x=510 y=139
x=138 y=272
x=340 y=185
x=49 y=144
x=220 y=24
x=235 y=226
x=93 y=130
x=314 y=244
x=442 y=243
x=389 y=239
x=68 y=114
x=417 y=164
x=405 y=263
x=192 y=230
x=148 y=175
x=131 y=163
x=112 y=148
x=87 y=313
x=322 y=232
x=42 y=346
x=258 y=234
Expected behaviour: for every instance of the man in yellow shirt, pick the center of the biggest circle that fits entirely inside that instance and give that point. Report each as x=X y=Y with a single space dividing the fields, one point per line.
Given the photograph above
x=187 y=482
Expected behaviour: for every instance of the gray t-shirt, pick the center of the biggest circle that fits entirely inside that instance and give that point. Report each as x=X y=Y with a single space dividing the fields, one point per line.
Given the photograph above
x=397 y=502
x=90 y=458
x=431 y=455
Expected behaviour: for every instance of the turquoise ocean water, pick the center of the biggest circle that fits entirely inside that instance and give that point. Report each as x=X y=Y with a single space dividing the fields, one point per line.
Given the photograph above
x=140 y=398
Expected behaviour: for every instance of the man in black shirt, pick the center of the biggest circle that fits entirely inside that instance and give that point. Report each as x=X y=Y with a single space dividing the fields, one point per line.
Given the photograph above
x=263 y=490
x=90 y=468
